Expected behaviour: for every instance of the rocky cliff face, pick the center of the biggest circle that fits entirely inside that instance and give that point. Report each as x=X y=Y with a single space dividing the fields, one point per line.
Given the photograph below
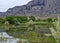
x=35 y=7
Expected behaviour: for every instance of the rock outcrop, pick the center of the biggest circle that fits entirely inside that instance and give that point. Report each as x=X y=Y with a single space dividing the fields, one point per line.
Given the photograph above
x=35 y=8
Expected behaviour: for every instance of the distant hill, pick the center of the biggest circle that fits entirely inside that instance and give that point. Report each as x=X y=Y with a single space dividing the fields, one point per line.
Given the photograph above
x=35 y=8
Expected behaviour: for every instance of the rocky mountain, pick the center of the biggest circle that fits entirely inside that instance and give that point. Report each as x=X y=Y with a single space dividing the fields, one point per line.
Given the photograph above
x=35 y=8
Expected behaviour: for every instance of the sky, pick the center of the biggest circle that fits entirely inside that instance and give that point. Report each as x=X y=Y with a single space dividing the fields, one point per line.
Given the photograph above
x=6 y=4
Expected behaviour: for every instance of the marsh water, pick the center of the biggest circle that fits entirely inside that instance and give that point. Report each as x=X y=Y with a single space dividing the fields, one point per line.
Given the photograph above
x=5 y=38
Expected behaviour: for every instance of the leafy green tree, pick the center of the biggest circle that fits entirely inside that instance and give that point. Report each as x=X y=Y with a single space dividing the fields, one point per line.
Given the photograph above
x=32 y=18
x=22 y=19
x=2 y=20
x=16 y=19
x=49 y=19
x=10 y=19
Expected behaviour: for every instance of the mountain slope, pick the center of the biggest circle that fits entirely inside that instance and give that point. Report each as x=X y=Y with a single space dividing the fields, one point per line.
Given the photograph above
x=35 y=7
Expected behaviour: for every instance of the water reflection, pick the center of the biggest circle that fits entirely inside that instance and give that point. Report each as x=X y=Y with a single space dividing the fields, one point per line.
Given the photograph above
x=5 y=38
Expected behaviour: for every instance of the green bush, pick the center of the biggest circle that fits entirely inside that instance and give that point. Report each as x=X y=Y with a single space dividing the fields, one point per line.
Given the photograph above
x=2 y=20
x=32 y=18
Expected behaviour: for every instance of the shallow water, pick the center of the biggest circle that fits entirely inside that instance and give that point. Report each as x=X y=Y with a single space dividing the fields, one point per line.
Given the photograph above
x=7 y=38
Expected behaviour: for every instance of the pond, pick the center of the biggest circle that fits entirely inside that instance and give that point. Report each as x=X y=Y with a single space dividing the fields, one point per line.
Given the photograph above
x=5 y=38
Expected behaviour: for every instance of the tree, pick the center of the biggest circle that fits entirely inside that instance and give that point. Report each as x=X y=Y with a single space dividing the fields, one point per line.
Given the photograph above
x=10 y=19
x=22 y=19
x=32 y=18
x=2 y=20
x=49 y=19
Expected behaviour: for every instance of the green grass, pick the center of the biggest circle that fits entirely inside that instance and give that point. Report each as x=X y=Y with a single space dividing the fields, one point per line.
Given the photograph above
x=27 y=31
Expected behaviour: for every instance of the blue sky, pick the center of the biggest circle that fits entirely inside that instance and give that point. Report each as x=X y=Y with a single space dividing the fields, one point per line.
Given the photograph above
x=5 y=4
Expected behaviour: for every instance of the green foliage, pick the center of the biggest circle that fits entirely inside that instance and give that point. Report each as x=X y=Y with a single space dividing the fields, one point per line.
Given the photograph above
x=25 y=29
x=22 y=19
x=32 y=36
x=2 y=20
x=55 y=19
x=14 y=19
x=10 y=19
x=49 y=19
x=32 y=18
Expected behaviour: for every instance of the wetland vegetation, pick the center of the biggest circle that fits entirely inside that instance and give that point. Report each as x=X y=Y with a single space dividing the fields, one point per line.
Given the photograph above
x=28 y=27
